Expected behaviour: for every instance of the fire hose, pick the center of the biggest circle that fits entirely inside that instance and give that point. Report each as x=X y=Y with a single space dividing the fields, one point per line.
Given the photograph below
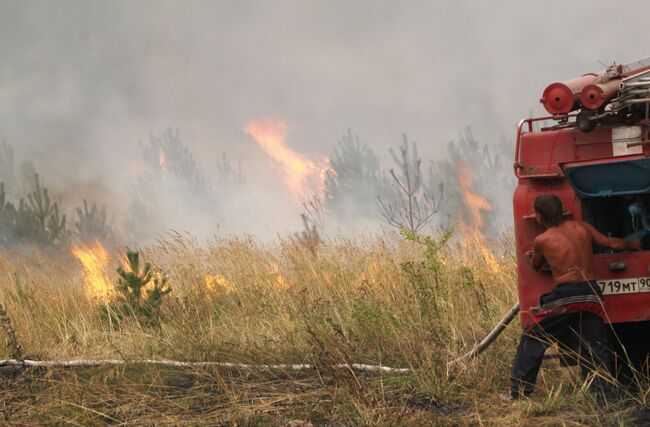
x=489 y=338
x=478 y=349
x=188 y=364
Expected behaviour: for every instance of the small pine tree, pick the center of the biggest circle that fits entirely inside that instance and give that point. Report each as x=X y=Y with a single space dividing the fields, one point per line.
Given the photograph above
x=37 y=221
x=354 y=180
x=172 y=190
x=141 y=289
x=412 y=207
x=91 y=224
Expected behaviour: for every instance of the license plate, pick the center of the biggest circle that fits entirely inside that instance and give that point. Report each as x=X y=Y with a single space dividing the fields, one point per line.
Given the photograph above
x=630 y=285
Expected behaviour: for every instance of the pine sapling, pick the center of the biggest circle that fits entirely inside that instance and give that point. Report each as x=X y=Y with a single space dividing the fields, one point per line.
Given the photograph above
x=142 y=289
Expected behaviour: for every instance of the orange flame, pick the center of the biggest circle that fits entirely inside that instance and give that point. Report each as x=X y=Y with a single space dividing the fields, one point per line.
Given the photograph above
x=216 y=283
x=96 y=267
x=470 y=226
x=162 y=158
x=278 y=280
x=303 y=176
x=474 y=203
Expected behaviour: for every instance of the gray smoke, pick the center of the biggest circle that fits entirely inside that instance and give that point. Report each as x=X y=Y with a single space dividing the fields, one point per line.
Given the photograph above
x=82 y=83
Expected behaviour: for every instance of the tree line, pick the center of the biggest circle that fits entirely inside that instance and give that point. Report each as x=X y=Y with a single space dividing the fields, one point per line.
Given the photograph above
x=406 y=194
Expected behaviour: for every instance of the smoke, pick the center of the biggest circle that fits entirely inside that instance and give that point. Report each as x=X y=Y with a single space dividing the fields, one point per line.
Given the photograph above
x=83 y=84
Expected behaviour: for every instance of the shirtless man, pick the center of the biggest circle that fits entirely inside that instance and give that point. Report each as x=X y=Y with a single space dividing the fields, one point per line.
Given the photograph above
x=572 y=314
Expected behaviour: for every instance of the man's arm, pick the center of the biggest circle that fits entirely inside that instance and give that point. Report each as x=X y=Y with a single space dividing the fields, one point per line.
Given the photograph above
x=612 y=242
x=537 y=259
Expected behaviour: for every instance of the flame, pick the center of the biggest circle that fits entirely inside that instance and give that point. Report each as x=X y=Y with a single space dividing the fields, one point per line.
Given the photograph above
x=303 y=176
x=474 y=203
x=277 y=279
x=372 y=273
x=216 y=283
x=96 y=267
x=470 y=226
x=375 y=267
x=162 y=158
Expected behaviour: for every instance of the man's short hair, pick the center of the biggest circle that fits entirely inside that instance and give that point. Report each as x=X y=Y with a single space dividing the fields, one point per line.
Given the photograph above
x=549 y=207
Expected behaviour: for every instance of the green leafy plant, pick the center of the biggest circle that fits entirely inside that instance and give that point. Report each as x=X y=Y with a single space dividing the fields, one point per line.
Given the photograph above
x=424 y=276
x=469 y=281
x=431 y=246
x=425 y=287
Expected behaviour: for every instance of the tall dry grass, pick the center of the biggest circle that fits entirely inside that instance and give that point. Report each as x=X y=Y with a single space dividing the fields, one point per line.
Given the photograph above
x=371 y=299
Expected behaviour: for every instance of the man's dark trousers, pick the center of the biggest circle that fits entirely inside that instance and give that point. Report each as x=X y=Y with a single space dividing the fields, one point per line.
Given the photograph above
x=582 y=333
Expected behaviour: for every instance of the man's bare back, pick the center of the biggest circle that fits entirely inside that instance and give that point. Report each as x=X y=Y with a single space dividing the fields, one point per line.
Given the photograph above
x=568 y=250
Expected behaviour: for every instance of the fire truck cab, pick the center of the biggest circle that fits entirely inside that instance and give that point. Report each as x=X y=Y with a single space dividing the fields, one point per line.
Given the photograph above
x=593 y=151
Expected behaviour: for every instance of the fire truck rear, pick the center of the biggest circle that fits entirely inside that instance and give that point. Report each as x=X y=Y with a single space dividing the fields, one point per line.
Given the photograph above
x=593 y=151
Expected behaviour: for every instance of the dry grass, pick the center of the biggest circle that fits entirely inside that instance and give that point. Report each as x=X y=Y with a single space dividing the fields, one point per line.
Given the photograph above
x=369 y=300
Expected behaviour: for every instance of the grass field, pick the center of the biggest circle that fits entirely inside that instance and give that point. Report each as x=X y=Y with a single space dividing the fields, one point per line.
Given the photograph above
x=373 y=299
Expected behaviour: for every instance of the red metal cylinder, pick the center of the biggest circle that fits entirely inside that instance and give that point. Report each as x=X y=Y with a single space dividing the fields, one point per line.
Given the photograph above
x=562 y=98
x=595 y=95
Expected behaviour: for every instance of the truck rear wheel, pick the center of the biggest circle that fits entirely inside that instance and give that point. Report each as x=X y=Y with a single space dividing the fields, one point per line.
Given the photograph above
x=630 y=347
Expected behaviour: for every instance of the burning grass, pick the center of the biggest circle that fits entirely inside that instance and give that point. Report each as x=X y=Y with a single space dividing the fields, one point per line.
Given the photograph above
x=97 y=264
x=370 y=300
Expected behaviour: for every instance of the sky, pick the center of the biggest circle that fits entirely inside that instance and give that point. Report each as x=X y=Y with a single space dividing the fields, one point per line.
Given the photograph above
x=83 y=82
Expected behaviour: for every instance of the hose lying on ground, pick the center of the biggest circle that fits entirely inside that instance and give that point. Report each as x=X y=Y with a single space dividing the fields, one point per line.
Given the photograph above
x=242 y=366
x=478 y=349
x=489 y=339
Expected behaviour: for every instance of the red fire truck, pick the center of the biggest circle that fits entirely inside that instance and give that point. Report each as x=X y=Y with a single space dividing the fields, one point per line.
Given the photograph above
x=593 y=151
